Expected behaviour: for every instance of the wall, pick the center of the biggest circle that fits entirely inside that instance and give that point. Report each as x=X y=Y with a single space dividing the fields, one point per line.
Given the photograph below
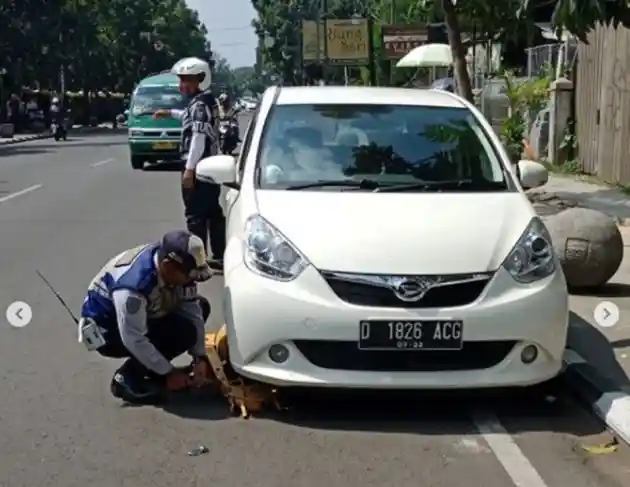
x=603 y=104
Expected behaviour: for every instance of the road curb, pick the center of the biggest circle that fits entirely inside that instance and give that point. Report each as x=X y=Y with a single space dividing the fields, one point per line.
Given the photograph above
x=21 y=140
x=606 y=399
x=46 y=135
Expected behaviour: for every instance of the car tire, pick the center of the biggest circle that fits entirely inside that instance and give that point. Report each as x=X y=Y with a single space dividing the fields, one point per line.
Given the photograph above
x=137 y=163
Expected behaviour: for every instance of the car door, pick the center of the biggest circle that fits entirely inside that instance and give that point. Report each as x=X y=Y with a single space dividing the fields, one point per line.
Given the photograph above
x=232 y=194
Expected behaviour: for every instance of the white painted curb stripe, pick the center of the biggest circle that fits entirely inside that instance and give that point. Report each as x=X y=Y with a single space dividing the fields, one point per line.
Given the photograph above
x=612 y=407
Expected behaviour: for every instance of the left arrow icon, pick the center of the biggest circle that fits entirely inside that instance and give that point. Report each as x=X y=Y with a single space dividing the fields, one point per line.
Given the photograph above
x=19 y=314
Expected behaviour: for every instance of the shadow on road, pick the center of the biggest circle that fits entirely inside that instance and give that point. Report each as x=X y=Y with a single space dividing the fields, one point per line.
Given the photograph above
x=593 y=346
x=164 y=167
x=21 y=149
x=609 y=290
x=205 y=405
x=542 y=408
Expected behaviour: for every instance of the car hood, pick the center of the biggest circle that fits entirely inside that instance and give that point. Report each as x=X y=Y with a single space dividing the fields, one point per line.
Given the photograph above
x=399 y=233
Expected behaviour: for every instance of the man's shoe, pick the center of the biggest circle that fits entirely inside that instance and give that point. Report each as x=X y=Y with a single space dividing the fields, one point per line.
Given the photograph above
x=135 y=391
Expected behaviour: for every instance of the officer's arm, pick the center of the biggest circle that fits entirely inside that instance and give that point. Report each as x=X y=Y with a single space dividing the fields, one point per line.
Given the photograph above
x=132 y=322
x=201 y=128
x=175 y=113
x=191 y=311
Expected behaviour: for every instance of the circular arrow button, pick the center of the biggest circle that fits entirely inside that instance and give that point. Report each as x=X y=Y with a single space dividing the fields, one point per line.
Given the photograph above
x=606 y=314
x=19 y=314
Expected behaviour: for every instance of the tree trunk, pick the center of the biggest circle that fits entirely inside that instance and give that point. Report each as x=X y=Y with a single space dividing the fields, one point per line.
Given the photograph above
x=460 y=69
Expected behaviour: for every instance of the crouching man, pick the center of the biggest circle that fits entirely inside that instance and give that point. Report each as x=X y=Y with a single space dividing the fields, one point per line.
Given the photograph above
x=144 y=306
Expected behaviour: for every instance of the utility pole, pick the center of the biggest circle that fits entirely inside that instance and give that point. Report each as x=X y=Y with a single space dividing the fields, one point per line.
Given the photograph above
x=392 y=21
x=323 y=7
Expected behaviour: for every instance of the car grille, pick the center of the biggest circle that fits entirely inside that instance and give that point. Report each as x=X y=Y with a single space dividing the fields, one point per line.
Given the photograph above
x=363 y=293
x=157 y=134
x=347 y=356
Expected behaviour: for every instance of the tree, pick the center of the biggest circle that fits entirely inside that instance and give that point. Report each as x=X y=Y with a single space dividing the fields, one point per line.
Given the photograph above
x=247 y=80
x=102 y=44
x=505 y=17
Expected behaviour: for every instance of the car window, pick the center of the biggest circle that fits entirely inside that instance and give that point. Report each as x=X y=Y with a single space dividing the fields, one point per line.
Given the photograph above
x=245 y=145
x=148 y=99
x=304 y=144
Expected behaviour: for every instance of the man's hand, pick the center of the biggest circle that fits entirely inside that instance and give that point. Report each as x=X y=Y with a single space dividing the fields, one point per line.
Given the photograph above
x=201 y=371
x=188 y=179
x=177 y=379
x=162 y=113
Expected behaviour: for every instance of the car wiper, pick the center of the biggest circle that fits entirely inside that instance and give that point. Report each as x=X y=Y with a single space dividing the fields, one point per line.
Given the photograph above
x=449 y=185
x=347 y=183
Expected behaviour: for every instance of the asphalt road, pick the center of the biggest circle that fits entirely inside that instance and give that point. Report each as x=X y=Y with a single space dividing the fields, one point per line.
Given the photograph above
x=65 y=209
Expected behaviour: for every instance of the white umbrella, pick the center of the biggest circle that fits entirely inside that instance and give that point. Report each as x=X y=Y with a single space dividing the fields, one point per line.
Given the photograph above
x=427 y=56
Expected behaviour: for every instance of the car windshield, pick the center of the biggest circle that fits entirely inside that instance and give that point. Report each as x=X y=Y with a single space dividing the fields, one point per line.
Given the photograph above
x=148 y=99
x=371 y=147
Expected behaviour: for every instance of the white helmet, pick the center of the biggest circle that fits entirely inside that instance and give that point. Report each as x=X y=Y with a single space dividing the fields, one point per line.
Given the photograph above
x=55 y=101
x=194 y=66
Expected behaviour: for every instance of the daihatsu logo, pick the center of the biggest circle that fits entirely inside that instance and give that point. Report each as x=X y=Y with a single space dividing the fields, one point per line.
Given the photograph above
x=164 y=135
x=412 y=289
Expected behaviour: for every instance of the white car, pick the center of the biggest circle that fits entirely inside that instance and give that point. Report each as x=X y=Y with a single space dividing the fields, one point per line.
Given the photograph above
x=378 y=238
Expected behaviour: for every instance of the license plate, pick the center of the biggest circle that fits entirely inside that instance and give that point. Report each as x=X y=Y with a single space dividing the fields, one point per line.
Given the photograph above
x=164 y=145
x=411 y=335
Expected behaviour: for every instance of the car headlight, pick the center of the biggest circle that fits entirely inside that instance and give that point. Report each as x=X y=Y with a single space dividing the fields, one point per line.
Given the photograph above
x=269 y=253
x=532 y=258
x=135 y=133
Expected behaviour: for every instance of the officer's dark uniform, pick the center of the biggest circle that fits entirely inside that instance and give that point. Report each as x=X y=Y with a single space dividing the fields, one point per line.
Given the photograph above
x=203 y=212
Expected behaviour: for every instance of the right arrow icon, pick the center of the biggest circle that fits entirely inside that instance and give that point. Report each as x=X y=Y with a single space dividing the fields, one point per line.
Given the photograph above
x=606 y=314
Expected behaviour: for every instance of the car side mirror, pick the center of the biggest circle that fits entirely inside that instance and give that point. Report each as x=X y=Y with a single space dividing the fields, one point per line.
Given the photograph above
x=219 y=169
x=532 y=174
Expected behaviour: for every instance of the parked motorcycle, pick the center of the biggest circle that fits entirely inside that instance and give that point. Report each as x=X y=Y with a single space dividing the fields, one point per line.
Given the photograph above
x=229 y=134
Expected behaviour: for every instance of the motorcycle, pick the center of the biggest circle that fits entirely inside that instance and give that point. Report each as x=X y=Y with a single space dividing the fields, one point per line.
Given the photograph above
x=229 y=134
x=59 y=131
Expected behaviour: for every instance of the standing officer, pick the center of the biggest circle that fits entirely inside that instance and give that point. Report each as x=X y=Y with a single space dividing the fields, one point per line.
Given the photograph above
x=200 y=139
x=143 y=306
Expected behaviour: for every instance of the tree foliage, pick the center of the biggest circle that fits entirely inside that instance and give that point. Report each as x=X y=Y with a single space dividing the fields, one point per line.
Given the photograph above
x=504 y=19
x=103 y=44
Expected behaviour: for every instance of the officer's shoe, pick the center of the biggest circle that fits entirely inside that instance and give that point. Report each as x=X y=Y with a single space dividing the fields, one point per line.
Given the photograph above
x=133 y=390
x=216 y=264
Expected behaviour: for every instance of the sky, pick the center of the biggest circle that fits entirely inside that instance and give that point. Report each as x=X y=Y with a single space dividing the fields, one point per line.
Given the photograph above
x=229 y=28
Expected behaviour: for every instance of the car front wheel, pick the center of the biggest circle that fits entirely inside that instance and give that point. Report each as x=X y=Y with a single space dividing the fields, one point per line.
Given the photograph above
x=137 y=162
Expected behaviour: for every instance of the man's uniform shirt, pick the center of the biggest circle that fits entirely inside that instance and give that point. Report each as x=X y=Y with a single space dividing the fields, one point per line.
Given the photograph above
x=127 y=292
x=200 y=135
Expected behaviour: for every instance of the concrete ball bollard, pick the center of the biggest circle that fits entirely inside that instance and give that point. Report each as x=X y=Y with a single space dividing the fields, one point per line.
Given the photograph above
x=588 y=244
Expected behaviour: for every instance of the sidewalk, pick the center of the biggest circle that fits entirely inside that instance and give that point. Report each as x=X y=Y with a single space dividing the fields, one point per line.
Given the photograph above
x=598 y=360
x=606 y=199
x=20 y=138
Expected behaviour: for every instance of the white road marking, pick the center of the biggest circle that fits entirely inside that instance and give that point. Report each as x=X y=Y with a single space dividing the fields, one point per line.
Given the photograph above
x=102 y=163
x=614 y=408
x=510 y=456
x=20 y=193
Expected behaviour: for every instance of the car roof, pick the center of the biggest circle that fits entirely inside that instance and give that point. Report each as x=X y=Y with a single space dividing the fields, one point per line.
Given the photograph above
x=166 y=79
x=341 y=95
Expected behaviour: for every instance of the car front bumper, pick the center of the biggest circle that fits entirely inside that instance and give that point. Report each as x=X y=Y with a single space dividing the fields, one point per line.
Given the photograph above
x=320 y=331
x=150 y=149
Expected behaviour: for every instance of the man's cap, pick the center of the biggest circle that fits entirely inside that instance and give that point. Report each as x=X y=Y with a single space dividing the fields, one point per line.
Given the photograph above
x=186 y=250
